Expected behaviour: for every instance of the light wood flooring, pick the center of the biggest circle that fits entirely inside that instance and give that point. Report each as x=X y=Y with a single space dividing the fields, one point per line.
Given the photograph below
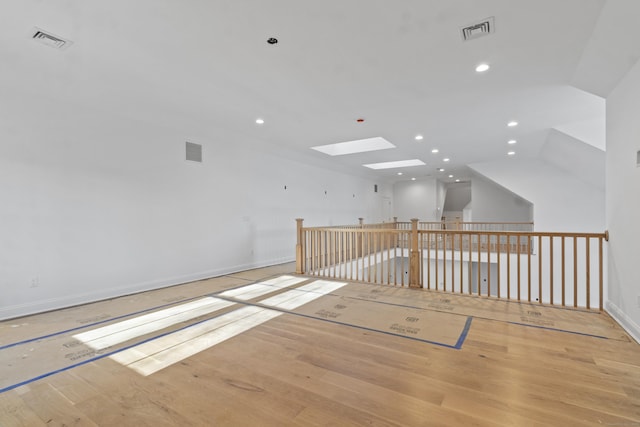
x=482 y=363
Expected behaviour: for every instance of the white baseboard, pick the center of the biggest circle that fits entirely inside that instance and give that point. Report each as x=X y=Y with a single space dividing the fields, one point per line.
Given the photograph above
x=40 y=306
x=623 y=320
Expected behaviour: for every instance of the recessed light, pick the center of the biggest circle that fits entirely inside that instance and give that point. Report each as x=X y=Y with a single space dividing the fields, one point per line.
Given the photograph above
x=435 y=150
x=446 y=159
x=450 y=176
x=260 y=121
x=481 y=68
x=512 y=141
x=440 y=170
x=419 y=137
x=512 y=123
x=457 y=180
x=511 y=153
x=413 y=179
x=399 y=173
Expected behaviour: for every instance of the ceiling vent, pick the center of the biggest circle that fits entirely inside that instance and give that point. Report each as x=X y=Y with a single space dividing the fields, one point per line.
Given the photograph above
x=479 y=29
x=50 y=40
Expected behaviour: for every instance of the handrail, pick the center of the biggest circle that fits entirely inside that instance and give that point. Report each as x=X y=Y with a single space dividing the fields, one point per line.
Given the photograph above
x=471 y=226
x=556 y=268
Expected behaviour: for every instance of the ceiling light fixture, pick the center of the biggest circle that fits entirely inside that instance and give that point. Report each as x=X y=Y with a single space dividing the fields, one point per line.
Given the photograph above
x=260 y=121
x=399 y=173
x=481 y=68
x=512 y=123
x=272 y=40
x=511 y=142
x=511 y=153
x=435 y=150
x=457 y=180
x=413 y=179
x=419 y=137
x=440 y=170
x=446 y=159
x=450 y=176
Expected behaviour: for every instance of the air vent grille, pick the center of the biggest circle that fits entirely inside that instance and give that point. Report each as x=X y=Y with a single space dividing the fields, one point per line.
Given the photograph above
x=479 y=29
x=194 y=152
x=50 y=40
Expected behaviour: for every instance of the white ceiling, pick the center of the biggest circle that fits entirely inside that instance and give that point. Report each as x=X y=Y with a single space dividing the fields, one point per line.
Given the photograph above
x=198 y=65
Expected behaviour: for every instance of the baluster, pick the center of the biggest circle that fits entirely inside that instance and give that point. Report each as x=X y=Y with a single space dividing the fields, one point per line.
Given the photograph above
x=540 y=269
x=588 y=271
x=518 y=249
x=498 y=244
x=575 y=271
x=529 y=268
x=563 y=270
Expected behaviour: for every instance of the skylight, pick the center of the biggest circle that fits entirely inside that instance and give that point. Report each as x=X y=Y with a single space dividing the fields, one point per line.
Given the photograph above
x=397 y=164
x=357 y=146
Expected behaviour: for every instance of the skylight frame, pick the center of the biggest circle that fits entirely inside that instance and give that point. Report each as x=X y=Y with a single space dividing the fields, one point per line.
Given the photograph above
x=395 y=164
x=356 y=146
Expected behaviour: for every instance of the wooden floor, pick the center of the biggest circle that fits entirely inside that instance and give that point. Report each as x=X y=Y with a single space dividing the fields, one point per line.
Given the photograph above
x=512 y=365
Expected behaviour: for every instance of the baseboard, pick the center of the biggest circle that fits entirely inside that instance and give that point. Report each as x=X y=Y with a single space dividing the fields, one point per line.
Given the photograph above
x=623 y=320
x=40 y=306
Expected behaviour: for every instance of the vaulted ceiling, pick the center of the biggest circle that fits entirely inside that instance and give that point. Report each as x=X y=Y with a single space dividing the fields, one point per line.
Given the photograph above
x=402 y=66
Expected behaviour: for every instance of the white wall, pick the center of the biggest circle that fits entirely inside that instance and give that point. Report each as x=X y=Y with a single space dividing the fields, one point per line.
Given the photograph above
x=467 y=213
x=441 y=196
x=576 y=157
x=415 y=199
x=458 y=196
x=623 y=201
x=96 y=206
x=561 y=201
x=493 y=203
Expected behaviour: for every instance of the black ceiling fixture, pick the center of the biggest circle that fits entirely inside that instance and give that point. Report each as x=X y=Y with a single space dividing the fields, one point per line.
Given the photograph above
x=272 y=40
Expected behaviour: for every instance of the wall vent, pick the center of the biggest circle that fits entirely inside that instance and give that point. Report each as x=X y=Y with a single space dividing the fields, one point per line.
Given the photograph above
x=50 y=40
x=194 y=152
x=479 y=29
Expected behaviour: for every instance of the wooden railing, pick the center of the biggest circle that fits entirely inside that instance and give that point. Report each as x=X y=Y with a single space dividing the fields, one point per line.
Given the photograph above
x=548 y=268
x=468 y=226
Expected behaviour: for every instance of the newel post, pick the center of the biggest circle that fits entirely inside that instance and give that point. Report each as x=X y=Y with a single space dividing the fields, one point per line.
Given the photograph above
x=299 y=239
x=414 y=256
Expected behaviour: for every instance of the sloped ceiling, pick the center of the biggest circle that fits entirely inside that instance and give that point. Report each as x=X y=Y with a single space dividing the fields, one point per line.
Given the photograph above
x=612 y=48
x=402 y=66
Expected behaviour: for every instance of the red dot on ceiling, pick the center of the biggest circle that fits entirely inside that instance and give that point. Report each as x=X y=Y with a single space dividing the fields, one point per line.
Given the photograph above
x=360 y=120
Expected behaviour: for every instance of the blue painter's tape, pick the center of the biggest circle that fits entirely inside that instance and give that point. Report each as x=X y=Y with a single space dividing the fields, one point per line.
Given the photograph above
x=463 y=335
x=457 y=346
x=88 y=325
x=559 y=330
x=102 y=356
